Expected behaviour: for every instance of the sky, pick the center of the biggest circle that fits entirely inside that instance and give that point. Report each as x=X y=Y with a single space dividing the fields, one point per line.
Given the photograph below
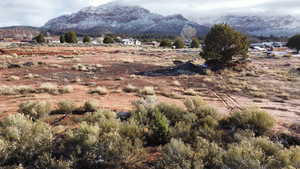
x=38 y=12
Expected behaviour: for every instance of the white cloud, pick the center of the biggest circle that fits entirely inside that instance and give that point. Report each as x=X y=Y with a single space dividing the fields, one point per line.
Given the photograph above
x=37 y=12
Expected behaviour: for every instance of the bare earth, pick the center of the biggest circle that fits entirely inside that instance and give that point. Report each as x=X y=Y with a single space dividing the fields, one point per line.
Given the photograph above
x=269 y=83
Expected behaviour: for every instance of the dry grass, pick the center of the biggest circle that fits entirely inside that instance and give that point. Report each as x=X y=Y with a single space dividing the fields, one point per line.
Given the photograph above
x=99 y=90
x=130 y=89
x=147 y=90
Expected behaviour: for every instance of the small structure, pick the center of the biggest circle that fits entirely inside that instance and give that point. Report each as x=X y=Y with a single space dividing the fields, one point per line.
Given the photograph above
x=153 y=44
x=52 y=39
x=131 y=42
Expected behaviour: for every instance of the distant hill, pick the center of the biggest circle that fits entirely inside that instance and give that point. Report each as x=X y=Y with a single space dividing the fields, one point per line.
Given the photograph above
x=257 y=25
x=19 y=32
x=121 y=19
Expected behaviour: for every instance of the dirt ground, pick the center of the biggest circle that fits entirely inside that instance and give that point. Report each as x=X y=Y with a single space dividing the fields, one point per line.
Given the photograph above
x=272 y=84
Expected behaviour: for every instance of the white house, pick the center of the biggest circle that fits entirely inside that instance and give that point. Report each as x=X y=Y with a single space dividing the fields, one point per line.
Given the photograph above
x=131 y=42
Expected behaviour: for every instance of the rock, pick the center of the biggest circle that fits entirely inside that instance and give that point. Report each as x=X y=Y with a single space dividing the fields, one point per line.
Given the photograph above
x=28 y=64
x=55 y=66
x=12 y=78
x=14 y=65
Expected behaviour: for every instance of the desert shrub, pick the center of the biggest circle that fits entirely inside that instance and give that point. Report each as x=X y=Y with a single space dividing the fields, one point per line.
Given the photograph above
x=23 y=140
x=93 y=147
x=86 y=39
x=71 y=37
x=62 y=39
x=99 y=116
x=49 y=88
x=254 y=119
x=224 y=45
x=243 y=156
x=177 y=155
x=130 y=89
x=35 y=110
x=287 y=158
x=66 y=89
x=210 y=153
x=40 y=38
x=147 y=90
x=197 y=106
x=175 y=114
x=131 y=130
x=195 y=43
x=165 y=43
x=99 y=90
x=13 y=90
x=179 y=44
x=90 y=106
x=190 y=92
x=183 y=131
x=293 y=42
x=66 y=107
x=108 y=40
x=159 y=126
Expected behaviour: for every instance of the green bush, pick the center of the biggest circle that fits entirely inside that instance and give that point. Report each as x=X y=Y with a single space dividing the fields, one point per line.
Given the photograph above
x=200 y=108
x=62 y=39
x=159 y=129
x=293 y=42
x=224 y=45
x=22 y=140
x=179 y=44
x=254 y=119
x=165 y=43
x=210 y=153
x=177 y=155
x=90 y=106
x=71 y=37
x=86 y=39
x=243 y=156
x=89 y=143
x=66 y=107
x=175 y=114
x=108 y=40
x=40 y=38
x=195 y=43
x=287 y=158
x=35 y=109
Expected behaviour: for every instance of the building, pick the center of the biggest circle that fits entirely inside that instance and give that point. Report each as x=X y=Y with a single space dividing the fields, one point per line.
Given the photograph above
x=52 y=39
x=153 y=44
x=131 y=42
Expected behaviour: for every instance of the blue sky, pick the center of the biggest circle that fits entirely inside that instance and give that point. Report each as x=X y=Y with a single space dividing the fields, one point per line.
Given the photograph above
x=38 y=12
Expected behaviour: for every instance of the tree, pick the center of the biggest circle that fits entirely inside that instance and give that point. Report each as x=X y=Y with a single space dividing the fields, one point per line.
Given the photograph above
x=40 y=38
x=195 y=43
x=108 y=40
x=224 y=45
x=71 y=37
x=294 y=42
x=165 y=43
x=86 y=39
x=179 y=44
x=62 y=39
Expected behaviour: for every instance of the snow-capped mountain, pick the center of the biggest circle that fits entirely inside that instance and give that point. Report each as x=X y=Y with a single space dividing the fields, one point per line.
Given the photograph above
x=123 y=19
x=286 y=25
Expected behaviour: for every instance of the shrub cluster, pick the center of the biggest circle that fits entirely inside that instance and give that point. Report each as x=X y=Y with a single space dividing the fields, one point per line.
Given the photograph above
x=155 y=135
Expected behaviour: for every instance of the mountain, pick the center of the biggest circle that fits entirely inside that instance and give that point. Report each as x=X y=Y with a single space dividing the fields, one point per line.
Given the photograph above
x=262 y=25
x=123 y=19
x=19 y=32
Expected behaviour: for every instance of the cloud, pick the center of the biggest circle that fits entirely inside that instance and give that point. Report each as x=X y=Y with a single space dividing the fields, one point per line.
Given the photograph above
x=37 y=12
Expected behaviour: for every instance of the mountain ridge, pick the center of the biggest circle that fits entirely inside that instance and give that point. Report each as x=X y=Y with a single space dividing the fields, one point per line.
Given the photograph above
x=123 y=19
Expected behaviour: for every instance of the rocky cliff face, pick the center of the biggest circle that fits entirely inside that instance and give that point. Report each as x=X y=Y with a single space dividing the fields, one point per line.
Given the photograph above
x=122 y=19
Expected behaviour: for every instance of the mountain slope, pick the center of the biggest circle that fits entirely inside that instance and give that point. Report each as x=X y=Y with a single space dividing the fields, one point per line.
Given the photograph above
x=122 y=19
x=258 y=25
x=19 y=32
